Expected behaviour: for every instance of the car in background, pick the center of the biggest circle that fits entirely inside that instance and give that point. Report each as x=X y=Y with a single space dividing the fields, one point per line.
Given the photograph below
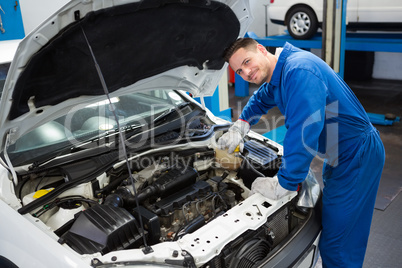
x=107 y=161
x=304 y=17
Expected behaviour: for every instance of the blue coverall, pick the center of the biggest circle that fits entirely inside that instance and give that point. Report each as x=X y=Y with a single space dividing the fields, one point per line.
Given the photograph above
x=324 y=117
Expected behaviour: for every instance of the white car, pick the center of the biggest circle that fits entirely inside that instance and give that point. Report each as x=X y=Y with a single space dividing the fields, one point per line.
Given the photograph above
x=106 y=160
x=303 y=17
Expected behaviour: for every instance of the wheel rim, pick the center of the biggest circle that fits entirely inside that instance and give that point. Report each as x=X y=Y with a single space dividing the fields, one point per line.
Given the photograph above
x=300 y=23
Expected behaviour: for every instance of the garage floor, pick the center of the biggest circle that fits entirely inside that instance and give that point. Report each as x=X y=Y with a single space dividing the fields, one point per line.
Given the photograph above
x=380 y=97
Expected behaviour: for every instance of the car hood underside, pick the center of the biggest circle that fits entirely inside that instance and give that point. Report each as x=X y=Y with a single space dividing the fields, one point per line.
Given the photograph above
x=130 y=42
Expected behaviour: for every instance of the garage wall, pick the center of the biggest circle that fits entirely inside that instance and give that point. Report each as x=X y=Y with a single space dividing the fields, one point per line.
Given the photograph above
x=258 y=25
x=35 y=12
x=387 y=65
x=10 y=15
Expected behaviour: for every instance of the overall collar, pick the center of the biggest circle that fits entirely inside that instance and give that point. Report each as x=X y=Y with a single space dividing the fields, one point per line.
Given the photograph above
x=276 y=75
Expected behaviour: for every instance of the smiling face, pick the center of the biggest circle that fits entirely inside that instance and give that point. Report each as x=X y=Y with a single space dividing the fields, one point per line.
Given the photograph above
x=253 y=64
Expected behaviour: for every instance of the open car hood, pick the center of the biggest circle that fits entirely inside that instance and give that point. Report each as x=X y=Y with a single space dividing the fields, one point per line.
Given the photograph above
x=137 y=45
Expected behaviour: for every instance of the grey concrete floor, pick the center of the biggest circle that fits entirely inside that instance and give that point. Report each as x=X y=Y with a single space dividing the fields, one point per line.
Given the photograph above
x=377 y=96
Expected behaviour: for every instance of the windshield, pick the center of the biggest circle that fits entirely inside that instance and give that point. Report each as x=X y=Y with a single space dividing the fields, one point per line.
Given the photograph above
x=87 y=123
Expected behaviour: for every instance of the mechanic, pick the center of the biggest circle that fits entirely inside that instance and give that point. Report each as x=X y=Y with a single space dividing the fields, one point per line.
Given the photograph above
x=323 y=117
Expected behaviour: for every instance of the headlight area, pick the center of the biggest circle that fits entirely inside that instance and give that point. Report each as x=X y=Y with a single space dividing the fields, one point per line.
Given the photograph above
x=174 y=192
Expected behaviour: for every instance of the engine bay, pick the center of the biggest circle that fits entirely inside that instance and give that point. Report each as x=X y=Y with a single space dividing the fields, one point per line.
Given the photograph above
x=170 y=193
x=174 y=193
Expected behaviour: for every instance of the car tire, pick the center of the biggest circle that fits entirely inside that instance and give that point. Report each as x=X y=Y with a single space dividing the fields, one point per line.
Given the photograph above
x=301 y=22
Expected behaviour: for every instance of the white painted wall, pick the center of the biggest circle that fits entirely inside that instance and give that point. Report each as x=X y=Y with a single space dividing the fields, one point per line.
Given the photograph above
x=258 y=26
x=34 y=12
x=387 y=65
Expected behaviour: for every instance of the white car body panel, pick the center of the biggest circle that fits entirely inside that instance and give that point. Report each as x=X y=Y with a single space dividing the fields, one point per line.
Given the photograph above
x=37 y=240
x=379 y=11
x=357 y=10
x=278 y=9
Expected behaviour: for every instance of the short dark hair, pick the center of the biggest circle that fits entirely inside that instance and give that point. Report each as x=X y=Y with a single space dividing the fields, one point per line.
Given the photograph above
x=246 y=42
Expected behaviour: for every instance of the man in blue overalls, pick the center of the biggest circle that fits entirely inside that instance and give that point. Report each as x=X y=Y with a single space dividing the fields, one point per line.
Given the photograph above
x=324 y=117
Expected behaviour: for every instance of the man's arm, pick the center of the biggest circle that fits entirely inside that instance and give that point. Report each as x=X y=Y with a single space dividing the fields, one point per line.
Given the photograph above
x=305 y=95
x=258 y=105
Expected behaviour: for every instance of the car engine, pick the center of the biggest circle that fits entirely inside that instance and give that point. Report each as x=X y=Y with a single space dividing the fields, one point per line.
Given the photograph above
x=168 y=195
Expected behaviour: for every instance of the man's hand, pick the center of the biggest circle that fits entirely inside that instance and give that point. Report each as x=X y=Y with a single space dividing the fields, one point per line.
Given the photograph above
x=234 y=136
x=268 y=187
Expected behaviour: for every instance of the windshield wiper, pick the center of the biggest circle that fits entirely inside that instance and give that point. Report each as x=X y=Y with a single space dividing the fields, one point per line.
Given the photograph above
x=170 y=111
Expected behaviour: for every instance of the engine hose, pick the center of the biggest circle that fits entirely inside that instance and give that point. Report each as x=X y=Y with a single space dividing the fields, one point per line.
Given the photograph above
x=119 y=198
x=112 y=185
x=194 y=225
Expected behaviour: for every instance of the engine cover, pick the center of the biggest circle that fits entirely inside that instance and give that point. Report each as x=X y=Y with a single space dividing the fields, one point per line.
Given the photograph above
x=103 y=229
